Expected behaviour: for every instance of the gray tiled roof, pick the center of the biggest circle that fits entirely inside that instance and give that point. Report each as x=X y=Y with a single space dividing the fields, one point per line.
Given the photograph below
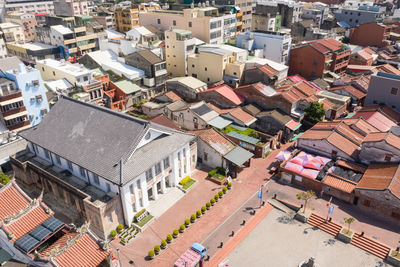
x=98 y=139
x=9 y=63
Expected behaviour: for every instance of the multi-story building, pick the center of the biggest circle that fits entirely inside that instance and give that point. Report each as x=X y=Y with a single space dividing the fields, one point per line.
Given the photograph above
x=27 y=21
x=214 y=63
x=246 y=8
x=269 y=22
x=106 y=188
x=290 y=11
x=371 y=34
x=12 y=32
x=38 y=7
x=178 y=45
x=104 y=17
x=126 y=18
x=364 y=14
x=205 y=23
x=3 y=48
x=23 y=103
x=29 y=53
x=270 y=45
x=316 y=58
x=71 y=7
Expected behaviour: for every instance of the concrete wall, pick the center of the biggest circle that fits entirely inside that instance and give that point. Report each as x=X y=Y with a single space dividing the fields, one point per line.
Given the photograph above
x=355 y=17
x=214 y=159
x=379 y=92
x=377 y=151
x=307 y=62
x=208 y=67
x=321 y=147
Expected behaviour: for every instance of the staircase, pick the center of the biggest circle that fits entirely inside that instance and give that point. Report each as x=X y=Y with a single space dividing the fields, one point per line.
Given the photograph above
x=372 y=246
x=326 y=226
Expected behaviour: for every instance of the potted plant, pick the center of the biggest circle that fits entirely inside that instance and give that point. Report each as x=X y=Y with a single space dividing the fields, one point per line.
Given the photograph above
x=346 y=234
x=182 y=228
x=198 y=214
x=175 y=233
x=229 y=185
x=120 y=227
x=212 y=201
x=163 y=244
x=216 y=197
x=224 y=189
x=169 y=238
x=192 y=218
x=203 y=209
x=151 y=254
x=220 y=193
x=113 y=234
x=187 y=223
x=157 y=249
x=208 y=205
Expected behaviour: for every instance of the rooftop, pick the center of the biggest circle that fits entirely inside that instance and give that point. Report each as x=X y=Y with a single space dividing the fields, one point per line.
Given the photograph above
x=67 y=67
x=216 y=140
x=34 y=46
x=190 y=82
x=7 y=25
x=62 y=29
x=227 y=92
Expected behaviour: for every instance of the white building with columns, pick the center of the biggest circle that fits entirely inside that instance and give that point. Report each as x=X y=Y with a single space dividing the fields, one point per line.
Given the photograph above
x=110 y=153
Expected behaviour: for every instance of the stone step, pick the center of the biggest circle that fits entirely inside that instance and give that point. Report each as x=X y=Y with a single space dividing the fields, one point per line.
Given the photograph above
x=319 y=222
x=278 y=205
x=370 y=246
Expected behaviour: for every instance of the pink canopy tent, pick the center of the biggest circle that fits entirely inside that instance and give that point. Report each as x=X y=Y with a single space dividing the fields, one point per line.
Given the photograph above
x=294 y=167
x=283 y=155
x=298 y=160
x=312 y=165
x=309 y=173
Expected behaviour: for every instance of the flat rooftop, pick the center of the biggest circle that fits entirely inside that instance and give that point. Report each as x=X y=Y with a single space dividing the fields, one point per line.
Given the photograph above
x=72 y=69
x=35 y=46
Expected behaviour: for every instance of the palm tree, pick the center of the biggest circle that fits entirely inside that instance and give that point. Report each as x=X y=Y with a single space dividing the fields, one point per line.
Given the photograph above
x=307 y=195
x=349 y=221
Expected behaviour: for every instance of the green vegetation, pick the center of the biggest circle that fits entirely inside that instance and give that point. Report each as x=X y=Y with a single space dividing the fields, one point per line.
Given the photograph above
x=144 y=220
x=4 y=179
x=220 y=193
x=203 y=209
x=198 y=213
x=120 y=227
x=184 y=180
x=175 y=233
x=139 y=213
x=216 y=197
x=395 y=254
x=305 y=195
x=193 y=217
x=137 y=115
x=208 y=204
x=212 y=201
x=224 y=189
x=157 y=248
x=169 y=238
x=188 y=184
x=248 y=131
x=151 y=254
x=229 y=185
x=182 y=227
x=163 y=244
x=349 y=221
x=187 y=222
x=314 y=112
x=113 y=233
x=217 y=173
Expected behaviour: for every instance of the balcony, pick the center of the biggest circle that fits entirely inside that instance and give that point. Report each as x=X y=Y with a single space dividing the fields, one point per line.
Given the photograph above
x=86 y=37
x=73 y=50
x=17 y=126
x=11 y=98
x=6 y=114
x=69 y=41
x=80 y=29
x=88 y=46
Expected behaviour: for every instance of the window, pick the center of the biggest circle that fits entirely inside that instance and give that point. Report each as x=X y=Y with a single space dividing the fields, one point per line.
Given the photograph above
x=46 y=153
x=166 y=163
x=315 y=63
x=184 y=151
x=149 y=175
x=116 y=209
x=109 y=216
x=388 y=158
x=190 y=24
x=179 y=155
x=313 y=74
x=192 y=66
x=394 y=91
x=58 y=160
x=205 y=68
x=367 y=202
x=138 y=184
x=158 y=21
x=174 y=22
x=131 y=189
x=158 y=168
x=86 y=78
x=82 y=171
x=54 y=73
x=334 y=153
x=108 y=187
x=184 y=168
x=180 y=115
x=205 y=156
x=96 y=179
x=395 y=215
x=195 y=120
x=180 y=172
x=70 y=165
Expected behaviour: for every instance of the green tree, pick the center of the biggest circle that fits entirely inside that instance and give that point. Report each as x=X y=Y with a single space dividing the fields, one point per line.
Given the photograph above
x=4 y=179
x=349 y=221
x=306 y=196
x=314 y=112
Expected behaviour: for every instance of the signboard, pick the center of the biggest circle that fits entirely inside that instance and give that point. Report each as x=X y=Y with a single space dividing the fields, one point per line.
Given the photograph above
x=331 y=209
x=259 y=193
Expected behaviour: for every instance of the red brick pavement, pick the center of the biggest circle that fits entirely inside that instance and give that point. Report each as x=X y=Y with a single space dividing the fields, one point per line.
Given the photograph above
x=240 y=236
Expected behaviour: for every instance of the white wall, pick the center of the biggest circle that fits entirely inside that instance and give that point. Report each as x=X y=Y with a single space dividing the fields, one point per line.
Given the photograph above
x=213 y=158
x=321 y=147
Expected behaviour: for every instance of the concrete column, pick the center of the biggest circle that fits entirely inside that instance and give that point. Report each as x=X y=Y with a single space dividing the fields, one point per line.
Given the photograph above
x=144 y=193
x=55 y=190
x=137 y=204
x=163 y=186
x=66 y=198
x=155 y=193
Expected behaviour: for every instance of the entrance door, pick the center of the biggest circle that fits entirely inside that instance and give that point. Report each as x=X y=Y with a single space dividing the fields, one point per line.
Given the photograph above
x=355 y=201
x=159 y=187
x=167 y=182
x=150 y=193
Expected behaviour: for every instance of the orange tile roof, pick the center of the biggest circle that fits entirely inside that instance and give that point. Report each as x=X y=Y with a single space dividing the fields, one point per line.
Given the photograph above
x=173 y=96
x=268 y=70
x=60 y=242
x=227 y=92
x=389 y=137
x=162 y=120
x=241 y=115
x=351 y=90
x=28 y=222
x=305 y=88
x=315 y=134
x=219 y=110
x=12 y=200
x=327 y=104
x=361 y=125
x=369 y=51
x=388 y=69
x=342 y=143
x=365 y=55
x=340 y=184
x=379 y=176
x=320 y=48
x=84 y=253
x=395 y=187
x=214 y=139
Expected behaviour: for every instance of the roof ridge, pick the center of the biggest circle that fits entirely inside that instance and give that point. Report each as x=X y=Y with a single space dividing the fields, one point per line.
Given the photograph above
x=393 y=178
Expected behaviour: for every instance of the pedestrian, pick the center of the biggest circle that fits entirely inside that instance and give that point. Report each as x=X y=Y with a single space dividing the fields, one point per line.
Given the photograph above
x=221 y=245
x=233 y=233
x=244 y=222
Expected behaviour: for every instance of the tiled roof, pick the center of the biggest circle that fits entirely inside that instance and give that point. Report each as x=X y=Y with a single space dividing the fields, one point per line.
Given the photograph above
x=342 y=143
x=215 y=140
x=369 y=51
x=379 y=176
x=315 y=134
x=389 y=137
x=305 y=88
x=162 y=120
x=361 y=125
x=388 y=69
x=320 y=48
x=330 y=43
x=227 y=92
x=377 y=117
x=173 y=96
x=84 y=253
x=12 y=200
x=60 y=242
x=219 y=110
x=340 y=184
x=351 y=90
x=327 y=103
x=365 y=55
x=351 y=166
x=241 y=115
x=268 y=70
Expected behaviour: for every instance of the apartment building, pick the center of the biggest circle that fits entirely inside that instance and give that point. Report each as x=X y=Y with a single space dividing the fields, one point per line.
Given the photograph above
x=27 y=21
x=364 y=14
x=71 y=7
x=23 y=101
x=30 y=52
x=12 y=32
x=246 y=8
x=214 y=63
x=317 y=58
x=105 y=17
x=3 y=48
x=371 y=34
x=205 y=23
x=127 y=18
x=38 y=7
x=270 y=45
x=147 y=160
x=178 y=45
x=289 y=12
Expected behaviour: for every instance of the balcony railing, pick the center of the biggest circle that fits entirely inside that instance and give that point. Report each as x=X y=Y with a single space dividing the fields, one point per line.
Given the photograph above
x=19 y=125
x=10 y=96
x=13 y=111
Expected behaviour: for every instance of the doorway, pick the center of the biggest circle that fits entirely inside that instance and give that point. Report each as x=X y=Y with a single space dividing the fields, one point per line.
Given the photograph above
x=159 y=187
x=150 y=193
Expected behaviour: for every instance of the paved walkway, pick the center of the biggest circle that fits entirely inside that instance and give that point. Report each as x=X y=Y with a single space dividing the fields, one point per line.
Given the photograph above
x=165 y=201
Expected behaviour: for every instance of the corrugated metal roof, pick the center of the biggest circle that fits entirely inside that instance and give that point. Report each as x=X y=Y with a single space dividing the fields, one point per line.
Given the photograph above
x=244 y=138
x=219 y=122
x=238 y=156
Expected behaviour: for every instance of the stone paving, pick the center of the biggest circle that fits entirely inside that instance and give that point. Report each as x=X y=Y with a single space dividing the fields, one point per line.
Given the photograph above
x=165 y=201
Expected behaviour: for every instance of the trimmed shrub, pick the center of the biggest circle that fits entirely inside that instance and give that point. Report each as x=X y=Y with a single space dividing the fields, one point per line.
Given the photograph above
x=198 y=213
x=229 y=185
x=163 y=243
x=175 y=233
x=220 y=193
x=157 y=248
x=113 y=233
x=203 y=209
x=187 y=222
x=193 y=217
x=4 y=178
x=208 y=204
x=184 y=180
x=224 y=189
x=120 y=227
x=218 y=170
x=151 y=254
x=169 y=238
x=216 y=197
x=139 y=213
x=182 y=227
x=212 y=201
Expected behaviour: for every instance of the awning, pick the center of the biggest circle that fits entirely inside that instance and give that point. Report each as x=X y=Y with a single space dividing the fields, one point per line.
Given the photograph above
x=219 y=122
x=297 y=136
x=350 y=115
x=238 y=156
x=343 y=24
x=244 y=138
x=293 y=125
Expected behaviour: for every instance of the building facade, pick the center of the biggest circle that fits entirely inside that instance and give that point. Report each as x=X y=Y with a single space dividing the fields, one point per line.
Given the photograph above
x=71 y=7
x=27 y=21
x=370 y=34
x=12 y=32
x=126 y=18
x=364 y=14
x=29 y=53
x=30 y=6
x=290 y=11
